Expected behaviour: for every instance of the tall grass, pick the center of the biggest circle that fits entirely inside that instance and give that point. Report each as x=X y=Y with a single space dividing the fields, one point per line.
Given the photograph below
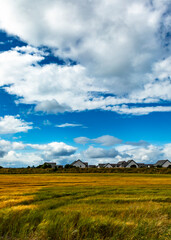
x=85 y=206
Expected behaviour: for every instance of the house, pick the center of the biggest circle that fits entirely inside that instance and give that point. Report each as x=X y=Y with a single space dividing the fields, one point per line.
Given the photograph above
x=79 y=164
x=121 y=164
x=106 y=165
x=163 y=163
x=142 y=165
x=128 y=164
x=52 y=164
x=113 y=165
x=101 y=165
x=131 y=164
x=110 y=165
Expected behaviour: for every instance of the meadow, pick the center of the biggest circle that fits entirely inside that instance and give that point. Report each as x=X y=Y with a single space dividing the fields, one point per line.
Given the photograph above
x=75 y=206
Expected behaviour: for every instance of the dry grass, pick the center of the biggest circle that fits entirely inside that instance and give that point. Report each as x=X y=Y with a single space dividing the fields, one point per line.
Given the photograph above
x=85 y=206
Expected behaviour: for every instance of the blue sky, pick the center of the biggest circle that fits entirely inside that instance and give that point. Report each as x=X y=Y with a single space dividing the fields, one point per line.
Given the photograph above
x=88 y=80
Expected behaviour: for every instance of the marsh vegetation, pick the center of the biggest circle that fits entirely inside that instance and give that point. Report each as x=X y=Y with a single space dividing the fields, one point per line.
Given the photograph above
x=85 y=206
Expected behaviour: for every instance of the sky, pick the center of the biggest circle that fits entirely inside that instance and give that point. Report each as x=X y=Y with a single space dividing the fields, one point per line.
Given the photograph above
x=87 y=80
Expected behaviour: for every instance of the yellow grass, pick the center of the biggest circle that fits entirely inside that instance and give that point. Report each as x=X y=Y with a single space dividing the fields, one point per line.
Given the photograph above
x=92 y=206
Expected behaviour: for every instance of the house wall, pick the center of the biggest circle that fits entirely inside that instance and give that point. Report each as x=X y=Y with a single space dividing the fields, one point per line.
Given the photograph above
x=108 y=166
x=166 y=164
x=132 y=163
x=79 y=164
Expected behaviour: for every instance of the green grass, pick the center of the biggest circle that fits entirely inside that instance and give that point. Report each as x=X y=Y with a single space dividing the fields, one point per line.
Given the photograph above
x=77 y=206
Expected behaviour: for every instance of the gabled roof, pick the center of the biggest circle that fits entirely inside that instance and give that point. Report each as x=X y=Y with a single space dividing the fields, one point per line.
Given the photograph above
x=130 y=161
x=85 y=163
x=121 y=164
x=124 y=163
x=113 y=164
x=160 y=162
x=101 y=165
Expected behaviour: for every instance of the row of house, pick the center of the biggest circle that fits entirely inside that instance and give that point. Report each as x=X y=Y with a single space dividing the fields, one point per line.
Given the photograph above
x=122 y=164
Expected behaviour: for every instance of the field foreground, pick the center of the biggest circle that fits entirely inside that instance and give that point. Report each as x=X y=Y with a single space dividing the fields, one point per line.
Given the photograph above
x=85 y=206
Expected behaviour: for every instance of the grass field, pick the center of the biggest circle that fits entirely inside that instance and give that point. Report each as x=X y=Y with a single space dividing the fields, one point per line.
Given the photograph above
x=85 y=206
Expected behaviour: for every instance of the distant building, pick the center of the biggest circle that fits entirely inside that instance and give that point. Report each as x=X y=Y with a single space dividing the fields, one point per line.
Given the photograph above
x=101 y=165
x=142 y=165
x=121 y=164
x=128 y=164
x=106 y=165
x=80 y=164
x=163 y=163
x=52 y=164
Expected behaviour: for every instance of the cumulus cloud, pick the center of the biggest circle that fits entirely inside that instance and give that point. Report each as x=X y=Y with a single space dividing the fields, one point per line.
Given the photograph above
x=92 y=152
x=18 y=159
x=18 y=154
x=12 y=124
x=105 y=140
x=52 y=106
x=54 y=149
x=146 y=154
x=12 y=154
x=119 y=47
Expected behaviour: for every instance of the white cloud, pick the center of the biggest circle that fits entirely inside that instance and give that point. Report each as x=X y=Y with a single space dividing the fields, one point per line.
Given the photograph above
x=12 y=154
x=92 y=152
x=18 y=154
x=145 y=154
x=52 y=106
x=139 y=143
x=12 y=124
x=124 y=109
x=167 y=151
x=119 y=46
x=55 y=149
x=18 y=159
x=69 y=125
x=149 y=154
x=121 y=34
x=105 y=140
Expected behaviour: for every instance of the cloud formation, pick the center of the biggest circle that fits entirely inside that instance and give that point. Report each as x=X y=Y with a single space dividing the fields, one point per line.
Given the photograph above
x=12 y=124
x=18 y=154
x=105 y=140
x=92 y=152
x=120 y=48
